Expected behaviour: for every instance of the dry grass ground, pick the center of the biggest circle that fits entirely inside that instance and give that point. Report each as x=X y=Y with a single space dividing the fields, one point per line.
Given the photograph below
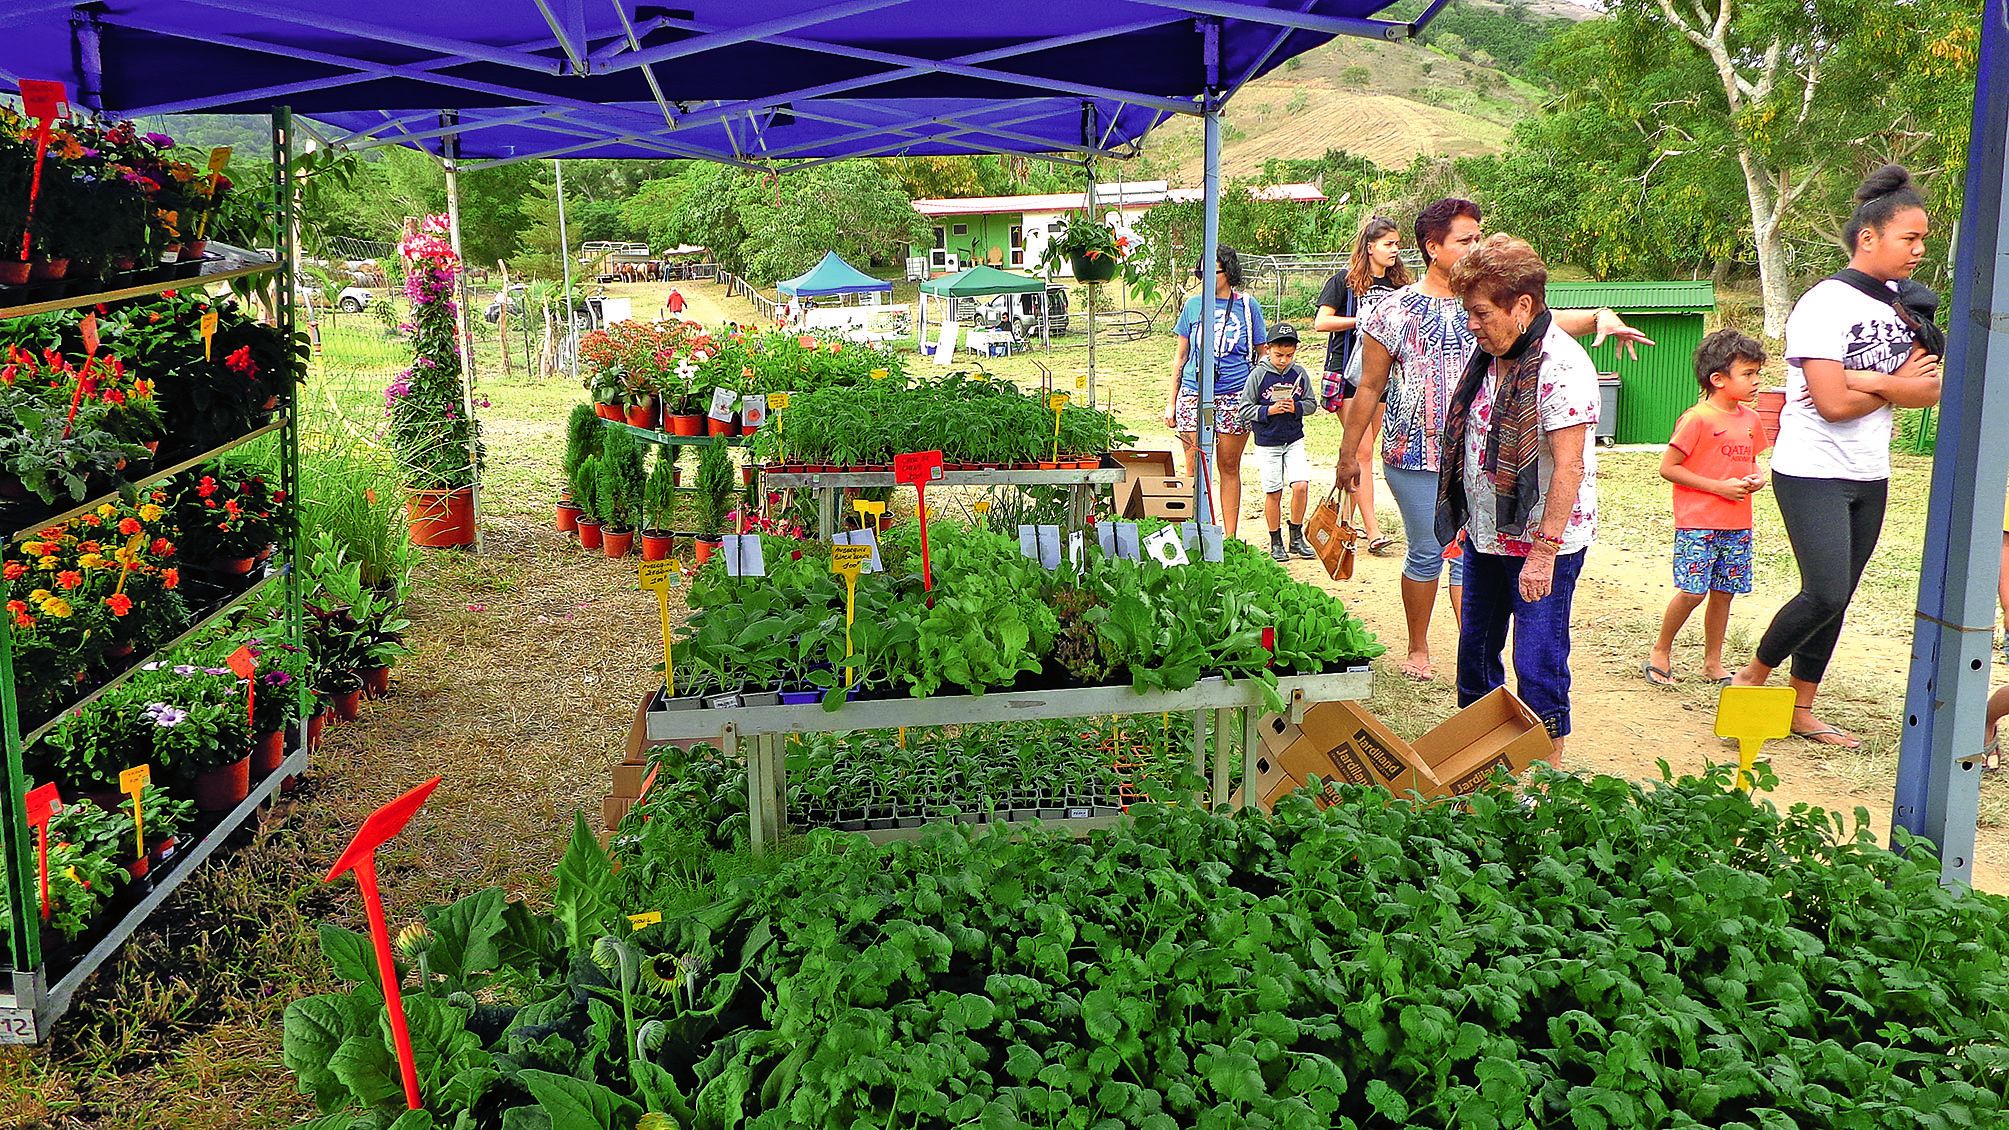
x=530 y=657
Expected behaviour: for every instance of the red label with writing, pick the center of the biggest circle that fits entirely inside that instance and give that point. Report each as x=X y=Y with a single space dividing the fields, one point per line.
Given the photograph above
x=243 y=663
x=44 y=98
x=917 y=467
x=43 y=802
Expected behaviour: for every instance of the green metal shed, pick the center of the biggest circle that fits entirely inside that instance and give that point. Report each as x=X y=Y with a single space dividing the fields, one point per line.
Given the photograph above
x=1658 y=387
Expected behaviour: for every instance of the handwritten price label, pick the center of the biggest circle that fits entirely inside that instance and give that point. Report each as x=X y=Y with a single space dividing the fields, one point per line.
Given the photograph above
x=1057 y=401
x=219 y=158
x=847 y=560
x=777 y=401
x=647 y=918
x=132 y=780
x=208 y=324
x=659 y=577
x=1081 y=381
x=917 y=467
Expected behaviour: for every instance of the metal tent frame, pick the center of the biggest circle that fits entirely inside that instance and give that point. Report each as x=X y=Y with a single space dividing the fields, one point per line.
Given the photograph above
x=555 y=78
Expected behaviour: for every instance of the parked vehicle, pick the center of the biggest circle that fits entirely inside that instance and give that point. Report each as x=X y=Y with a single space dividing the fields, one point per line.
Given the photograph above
x=1019 y=313
x=354 y=299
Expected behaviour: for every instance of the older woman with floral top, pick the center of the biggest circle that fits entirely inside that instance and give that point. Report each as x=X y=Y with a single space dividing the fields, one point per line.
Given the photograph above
x=1520 y=478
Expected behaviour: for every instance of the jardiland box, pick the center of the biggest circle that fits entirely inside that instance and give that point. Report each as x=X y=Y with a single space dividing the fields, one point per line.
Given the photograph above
x=1341 y=741
x=1151 y=486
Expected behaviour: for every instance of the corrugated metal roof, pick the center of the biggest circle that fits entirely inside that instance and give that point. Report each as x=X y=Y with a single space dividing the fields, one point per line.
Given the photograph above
x=1635 y=296
x=1104 y=199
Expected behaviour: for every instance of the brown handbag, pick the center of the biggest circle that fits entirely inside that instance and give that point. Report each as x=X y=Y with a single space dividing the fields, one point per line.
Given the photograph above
x=1332 y=539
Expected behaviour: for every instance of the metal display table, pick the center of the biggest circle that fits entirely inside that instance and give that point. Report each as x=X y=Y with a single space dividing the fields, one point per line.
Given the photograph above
x=828 y=485
x=763 y=727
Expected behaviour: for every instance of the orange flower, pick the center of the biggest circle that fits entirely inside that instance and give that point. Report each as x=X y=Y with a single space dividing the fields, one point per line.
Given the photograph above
x=69 y=579
x=13 y=570
x=806 y=342
x=169 y=578
x=129 y=526
x=119 y=603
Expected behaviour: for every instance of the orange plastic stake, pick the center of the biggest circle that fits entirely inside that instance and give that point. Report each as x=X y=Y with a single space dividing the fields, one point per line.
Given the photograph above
x=43 y=802
x=244 y=664
x=361 y=857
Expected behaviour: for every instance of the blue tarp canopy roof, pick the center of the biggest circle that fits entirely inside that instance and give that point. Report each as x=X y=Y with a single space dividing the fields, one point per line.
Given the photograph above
x=743 y=81
x=832 y=276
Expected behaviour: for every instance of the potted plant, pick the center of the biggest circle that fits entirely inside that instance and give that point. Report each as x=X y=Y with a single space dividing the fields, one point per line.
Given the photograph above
x=431 y=427
x=228 y=517
x=1089 y=247
x=582 y=435
x=619 y=499
x=714 y=498
x=659 y=506
x=586 y=492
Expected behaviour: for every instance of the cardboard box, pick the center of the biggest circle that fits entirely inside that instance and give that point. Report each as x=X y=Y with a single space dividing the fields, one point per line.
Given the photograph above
x=612 y=809
x=628 y=780
x=1139 y=465
x=1342 y=741
x=1171 y=499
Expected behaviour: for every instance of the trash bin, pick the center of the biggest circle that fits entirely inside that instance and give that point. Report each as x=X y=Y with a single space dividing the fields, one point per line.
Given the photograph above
x=1607 y=408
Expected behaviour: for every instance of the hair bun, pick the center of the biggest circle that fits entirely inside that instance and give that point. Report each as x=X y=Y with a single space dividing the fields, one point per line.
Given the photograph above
x=1883 y=182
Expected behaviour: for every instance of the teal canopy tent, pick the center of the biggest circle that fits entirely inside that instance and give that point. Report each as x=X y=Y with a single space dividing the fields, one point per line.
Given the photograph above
x=832 y=276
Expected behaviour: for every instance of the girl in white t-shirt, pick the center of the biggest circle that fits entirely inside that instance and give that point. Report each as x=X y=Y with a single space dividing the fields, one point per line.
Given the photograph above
x=1850 y=360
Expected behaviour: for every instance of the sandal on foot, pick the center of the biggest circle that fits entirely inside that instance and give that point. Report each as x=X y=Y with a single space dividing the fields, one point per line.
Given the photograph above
x=1658 y=676
x=1420 y=674
x=1991 y=756
x=1820 y=736
x=1380 y=546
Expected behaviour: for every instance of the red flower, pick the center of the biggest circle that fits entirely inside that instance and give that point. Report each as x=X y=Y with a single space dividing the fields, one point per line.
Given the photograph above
x=161 y=547
x=13 y=570
x=240 y=362
x=119 y=603
x=206 y=487
x=167 y=294
x=169 y=578
x=69 y=579
x=129 y=526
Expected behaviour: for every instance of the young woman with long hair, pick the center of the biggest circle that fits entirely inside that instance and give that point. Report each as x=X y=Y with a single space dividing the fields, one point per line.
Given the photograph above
x=1375 y=271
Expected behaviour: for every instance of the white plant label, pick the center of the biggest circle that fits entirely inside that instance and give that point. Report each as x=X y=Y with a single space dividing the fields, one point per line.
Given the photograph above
x=1075 y=550
x=1127 y=546
x=744 y=556
x=1105 y=538
x=1165 y=547
x=1208 y=539
x=1028 y=542
x=1049 y=547
x=753 y=410
x=722 y=399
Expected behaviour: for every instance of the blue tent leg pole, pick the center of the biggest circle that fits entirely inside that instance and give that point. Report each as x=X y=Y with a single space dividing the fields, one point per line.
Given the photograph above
x=1210 y=244
x=1938 y=778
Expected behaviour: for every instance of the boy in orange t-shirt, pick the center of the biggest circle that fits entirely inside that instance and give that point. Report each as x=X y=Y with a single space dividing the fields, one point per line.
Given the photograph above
x=1713 y=463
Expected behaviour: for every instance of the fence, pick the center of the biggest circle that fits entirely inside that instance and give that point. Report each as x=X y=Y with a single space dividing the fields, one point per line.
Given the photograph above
x=1288 y=286
x=740 y=288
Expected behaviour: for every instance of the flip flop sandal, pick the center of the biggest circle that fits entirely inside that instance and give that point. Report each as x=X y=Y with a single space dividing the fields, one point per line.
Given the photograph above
x=1380 y=546
x=1815 y=737
x=1723 y=680
x=1658 y=676
x=1422 y=676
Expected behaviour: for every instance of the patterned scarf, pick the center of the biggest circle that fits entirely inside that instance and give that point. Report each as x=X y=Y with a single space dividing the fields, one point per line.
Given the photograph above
x=1513 y=447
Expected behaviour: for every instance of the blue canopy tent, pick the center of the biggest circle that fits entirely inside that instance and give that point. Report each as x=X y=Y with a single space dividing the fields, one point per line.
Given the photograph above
x=832 y=275
x=776 y=84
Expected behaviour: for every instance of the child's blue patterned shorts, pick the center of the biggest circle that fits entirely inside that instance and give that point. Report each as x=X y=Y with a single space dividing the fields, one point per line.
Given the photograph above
x=1712 y=560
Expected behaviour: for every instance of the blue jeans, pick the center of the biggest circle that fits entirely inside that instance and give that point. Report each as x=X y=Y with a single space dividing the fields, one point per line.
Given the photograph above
x=1541 y=635
x=1416 y=498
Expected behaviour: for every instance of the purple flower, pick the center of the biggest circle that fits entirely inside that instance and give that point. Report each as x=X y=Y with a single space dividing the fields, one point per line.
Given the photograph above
x=184 y=669
x=160 y=141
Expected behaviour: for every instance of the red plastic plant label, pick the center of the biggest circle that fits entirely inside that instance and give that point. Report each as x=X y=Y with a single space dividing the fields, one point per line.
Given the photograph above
x=44 y=98
x=43 y=802
x=244 y=664
x=917 y=467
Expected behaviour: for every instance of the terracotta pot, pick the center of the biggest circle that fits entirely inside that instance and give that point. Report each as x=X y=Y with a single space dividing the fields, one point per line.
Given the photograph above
x=47 y=270
x=643 y=415
x=271 y=402
x=721 y=427
x=568 y=517
x=1771 y=402
x=14 y=272
x=376 y=681
x=267 y=753
x=194 y=248
x=315 y=726
x=616 y=543
x=348 y=704
x=1048 y=465
x=441 y=518
x=656 y=546
x=691 y=424
x=748 y=474
x=606 y=411
x=221 y=788
x=119 y=651
x=234 y=566
x=589 y=533
x=705 y=548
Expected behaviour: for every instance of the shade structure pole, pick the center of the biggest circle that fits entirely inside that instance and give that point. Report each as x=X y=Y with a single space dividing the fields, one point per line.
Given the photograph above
x=1210 y=249
x=565 y=260
x=1088 y=203
x=1938 y=769
x=450 y=159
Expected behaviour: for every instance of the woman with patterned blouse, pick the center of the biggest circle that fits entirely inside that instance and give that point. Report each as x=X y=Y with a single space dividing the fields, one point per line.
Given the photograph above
x=1415 y=345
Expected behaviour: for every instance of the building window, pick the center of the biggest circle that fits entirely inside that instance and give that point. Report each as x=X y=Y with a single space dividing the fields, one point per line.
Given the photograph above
x=1017 y=245
x=941 y=238
x=962 y=229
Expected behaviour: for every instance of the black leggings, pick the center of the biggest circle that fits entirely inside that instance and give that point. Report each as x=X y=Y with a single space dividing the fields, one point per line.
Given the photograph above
x=1833 y=525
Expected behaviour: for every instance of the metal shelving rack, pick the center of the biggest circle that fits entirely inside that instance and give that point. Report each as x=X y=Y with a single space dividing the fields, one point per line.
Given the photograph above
x=32 y=995
x=1236 y=707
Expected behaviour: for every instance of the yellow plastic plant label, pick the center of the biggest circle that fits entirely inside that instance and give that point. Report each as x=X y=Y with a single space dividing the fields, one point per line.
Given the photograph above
x=846 y=561
x=132 y=782
x=777 y=401
x=659 y=577
x=1081 y=381
x=646 y=918
x=1752 y=716
x=219 y=158
x=208 y=335
x=867 y=508
x=981 y=506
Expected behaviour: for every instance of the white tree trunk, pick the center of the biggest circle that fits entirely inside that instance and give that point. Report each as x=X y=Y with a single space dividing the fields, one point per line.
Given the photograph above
x=1774 y=281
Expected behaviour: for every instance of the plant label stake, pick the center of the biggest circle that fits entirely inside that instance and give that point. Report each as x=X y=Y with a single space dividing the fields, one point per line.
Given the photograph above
x=132 y=782
x=43 y=803
x=862 y=537
x=918 y=469
x=44 y=101
x=128 y=561
x=752 y=411
x=879 y=374
x=845 y=561
x=1166 y=548
x=86 y=383
x=1753 y=716
x=361 y=857
x=646 y=918
x=867 y=508
x=1057 y=402
x=777 y=402
x=244 y=664
x=209 y=336
x=219 y=158
x=744 y=556
x=658 y=577
x=1270 y=645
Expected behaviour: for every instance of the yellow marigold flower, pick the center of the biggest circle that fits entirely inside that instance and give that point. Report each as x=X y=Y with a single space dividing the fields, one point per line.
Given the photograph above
x=48 y=562
x=92 y=561
x=107 y=510
x=40 y=595
x=150 y=513
x=58 y=607
x=32 y=548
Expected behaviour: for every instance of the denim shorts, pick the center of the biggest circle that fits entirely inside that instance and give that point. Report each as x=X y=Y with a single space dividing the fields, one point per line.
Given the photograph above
x=1416 y=497
x=1712 y=561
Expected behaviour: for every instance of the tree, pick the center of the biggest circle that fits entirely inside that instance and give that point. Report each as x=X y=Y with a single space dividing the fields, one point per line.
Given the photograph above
x=852 y=207
x=1798 y=94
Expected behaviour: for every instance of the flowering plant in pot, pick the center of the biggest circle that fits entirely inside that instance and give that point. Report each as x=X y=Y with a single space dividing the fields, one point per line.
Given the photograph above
x=47 y=452
x=659 y=506
x=1095 y=252
x=117 y=564
x=81 y=881
x=85 y=751
x=227 y=516
x=205 y=398
x=432 y=430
